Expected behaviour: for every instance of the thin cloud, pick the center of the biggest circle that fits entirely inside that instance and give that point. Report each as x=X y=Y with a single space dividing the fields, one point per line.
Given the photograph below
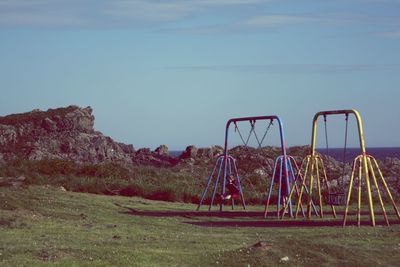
x=393 y=34
x=277 y=20
x=269 y=22
x=147 y=10
x=44 y=13
x=295 y=68
x=55 y=13
x=248 y=25
x=164 y=14
x=160 y=11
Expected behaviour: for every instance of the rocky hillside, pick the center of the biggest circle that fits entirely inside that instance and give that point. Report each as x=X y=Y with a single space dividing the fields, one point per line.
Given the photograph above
x=68 y=133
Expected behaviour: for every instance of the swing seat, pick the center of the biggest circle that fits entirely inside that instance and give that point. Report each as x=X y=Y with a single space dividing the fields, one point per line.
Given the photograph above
x=235 y=195
x=337 y=199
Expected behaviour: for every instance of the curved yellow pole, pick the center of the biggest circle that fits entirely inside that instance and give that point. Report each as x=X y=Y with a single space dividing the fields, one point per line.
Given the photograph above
x=338 y=112
x=362 y=147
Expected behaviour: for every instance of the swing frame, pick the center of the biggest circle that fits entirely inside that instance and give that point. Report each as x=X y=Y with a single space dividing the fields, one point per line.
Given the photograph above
x=366 y=170
x=226 y=164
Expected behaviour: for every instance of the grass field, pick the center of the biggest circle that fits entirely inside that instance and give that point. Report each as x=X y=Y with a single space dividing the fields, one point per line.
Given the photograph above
x=43 y=225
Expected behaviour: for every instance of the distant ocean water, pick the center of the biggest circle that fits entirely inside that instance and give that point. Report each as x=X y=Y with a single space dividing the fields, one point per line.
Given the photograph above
x=377 y=152
x=337 y=153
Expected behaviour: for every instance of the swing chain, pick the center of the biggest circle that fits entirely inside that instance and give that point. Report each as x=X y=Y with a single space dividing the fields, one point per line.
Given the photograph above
x=326 y=136
x=271 y=123
x=345 y=149
x=252 y=130
x=253 y=124
x=240 y=134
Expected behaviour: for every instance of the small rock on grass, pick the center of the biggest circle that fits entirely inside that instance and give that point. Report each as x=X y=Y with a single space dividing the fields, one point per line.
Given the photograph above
x=265 y=245
x=285 y=259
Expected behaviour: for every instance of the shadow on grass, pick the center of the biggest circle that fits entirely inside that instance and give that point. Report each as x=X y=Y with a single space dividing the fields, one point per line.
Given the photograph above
x=247 y=219
x=285 y=223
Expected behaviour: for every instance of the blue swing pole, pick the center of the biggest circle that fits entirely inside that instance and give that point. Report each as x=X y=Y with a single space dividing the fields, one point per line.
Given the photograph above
x=225 y=162
x=278 y=206
x=208 y=183
x=270 y=189
x=294 y=184
x=215 y=186
x=289 y=178
x=230 y=173
x=239 y=183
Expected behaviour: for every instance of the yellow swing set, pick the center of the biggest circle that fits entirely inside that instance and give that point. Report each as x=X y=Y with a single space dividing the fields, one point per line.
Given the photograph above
x=364 y=168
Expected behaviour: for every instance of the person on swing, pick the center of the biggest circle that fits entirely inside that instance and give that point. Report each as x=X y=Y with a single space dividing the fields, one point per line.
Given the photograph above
x=232 y=190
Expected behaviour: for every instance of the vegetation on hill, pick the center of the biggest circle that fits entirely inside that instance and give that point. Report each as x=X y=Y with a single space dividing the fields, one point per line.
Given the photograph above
x=182 y=183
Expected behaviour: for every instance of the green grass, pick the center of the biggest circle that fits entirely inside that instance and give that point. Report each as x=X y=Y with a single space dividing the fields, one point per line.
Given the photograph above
x=43 y=225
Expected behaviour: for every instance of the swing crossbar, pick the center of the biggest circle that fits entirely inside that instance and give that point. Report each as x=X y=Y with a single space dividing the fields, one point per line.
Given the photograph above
x=338 y=112
x=252 y=121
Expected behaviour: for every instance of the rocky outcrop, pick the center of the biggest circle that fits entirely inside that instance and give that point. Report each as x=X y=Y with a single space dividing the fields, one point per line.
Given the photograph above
x=158 y=158
x=68 y=134
x=209 y=153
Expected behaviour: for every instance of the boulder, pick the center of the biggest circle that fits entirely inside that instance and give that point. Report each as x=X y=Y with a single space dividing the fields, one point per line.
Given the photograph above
x=162 y=150
x=62 y=133
x=190 y=152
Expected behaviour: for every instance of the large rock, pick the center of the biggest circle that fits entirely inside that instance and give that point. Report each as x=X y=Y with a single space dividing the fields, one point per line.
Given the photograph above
x=65 y=133
x=8 y=135
x=162 y=150
x=190 y=152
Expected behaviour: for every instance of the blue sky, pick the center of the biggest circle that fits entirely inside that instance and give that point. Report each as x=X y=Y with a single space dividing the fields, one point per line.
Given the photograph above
x=173 y=72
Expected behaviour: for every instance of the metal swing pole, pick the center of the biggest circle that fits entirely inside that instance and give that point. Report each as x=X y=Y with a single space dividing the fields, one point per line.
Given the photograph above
x=208 y=183
x=270 y=189
x=252 y=120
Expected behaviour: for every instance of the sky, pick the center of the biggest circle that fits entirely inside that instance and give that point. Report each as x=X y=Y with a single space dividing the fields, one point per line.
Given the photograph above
x=173 y=72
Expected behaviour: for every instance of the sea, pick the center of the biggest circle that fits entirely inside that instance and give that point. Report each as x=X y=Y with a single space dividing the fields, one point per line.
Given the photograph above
x=337 y=153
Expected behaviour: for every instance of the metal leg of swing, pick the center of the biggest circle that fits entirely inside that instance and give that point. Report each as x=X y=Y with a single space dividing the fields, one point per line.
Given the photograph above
x=208 y=184
x=369 y=192
x=230 y=173
x=223 y=186
x=239 y=185
x=359 y=194
x=296 y=188
x=278 y=206
x=291 y=193
x=289 y=176
x=387 y=189
x=270 y=188
x=378 y=191
x=286 y=206
x=309 y=199
x=306 y=190
x=294 y=177
x=319 y=189
x=215 y=186
x=302 y=187
x=349 y=193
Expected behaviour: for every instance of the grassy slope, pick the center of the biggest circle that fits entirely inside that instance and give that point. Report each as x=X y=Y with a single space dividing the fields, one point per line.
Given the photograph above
x=43 y=225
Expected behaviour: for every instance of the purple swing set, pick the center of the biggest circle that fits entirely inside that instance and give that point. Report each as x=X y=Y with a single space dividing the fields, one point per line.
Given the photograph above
x=225 y=176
